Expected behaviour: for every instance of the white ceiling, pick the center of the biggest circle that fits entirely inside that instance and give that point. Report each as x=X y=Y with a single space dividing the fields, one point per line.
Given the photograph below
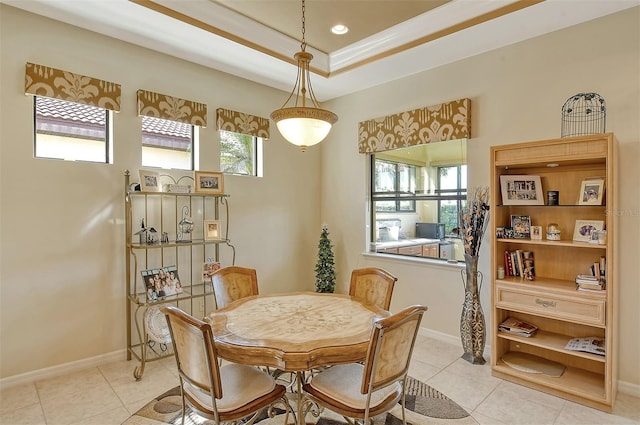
x=256 y=39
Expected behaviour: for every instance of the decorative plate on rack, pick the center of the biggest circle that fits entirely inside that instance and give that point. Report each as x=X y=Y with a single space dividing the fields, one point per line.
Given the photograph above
x=156 y=325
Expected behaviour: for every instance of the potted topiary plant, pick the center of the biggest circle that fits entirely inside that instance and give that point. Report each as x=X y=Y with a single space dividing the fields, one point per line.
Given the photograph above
x=325 y=271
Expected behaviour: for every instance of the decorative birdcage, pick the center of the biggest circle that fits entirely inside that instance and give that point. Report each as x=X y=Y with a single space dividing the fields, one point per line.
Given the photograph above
x=583 y=113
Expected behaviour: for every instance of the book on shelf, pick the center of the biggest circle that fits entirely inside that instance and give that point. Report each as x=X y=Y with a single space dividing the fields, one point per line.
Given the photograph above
x=591 y=344
x=528 y=265
x=517 y=327
x=519 y=264
x=593 y=290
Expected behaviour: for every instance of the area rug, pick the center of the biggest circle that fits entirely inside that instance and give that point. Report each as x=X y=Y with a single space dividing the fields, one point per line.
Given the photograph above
x=425 y=406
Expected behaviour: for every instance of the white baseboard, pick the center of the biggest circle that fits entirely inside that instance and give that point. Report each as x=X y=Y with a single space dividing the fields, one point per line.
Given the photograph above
x=62 y=369
x=53 y=371
x=451 y=339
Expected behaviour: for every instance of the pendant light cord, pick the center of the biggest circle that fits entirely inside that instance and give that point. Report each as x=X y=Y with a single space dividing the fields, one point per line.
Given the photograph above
x=303 y=45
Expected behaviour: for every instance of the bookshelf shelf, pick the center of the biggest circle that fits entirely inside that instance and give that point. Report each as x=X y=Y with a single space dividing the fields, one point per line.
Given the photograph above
x=544 y=242
x=551 y=300
x=550 y=341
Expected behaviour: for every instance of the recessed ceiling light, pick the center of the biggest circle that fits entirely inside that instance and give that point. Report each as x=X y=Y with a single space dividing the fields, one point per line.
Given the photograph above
x=339 y=29
x=553 y=165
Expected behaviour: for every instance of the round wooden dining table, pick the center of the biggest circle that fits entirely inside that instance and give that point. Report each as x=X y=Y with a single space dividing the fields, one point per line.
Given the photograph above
x=294 y=331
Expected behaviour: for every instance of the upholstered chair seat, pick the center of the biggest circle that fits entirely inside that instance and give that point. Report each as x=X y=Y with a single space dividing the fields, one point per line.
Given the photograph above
x=240 y=383
x=342 y=383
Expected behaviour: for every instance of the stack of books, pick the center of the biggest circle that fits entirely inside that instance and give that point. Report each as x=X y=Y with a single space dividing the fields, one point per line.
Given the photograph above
x=589 y=283
x=517 y=327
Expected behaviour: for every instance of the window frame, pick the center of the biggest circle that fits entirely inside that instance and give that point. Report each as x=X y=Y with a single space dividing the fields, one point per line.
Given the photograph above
x=459 y=195
x=398 y=193
x=108 y=132
x=193 y=151
x=460 y=192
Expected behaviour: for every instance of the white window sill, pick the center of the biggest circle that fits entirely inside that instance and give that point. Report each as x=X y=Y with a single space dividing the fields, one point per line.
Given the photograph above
x=430 y=262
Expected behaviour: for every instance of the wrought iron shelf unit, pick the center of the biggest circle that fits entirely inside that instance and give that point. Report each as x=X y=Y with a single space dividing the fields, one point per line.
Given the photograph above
x=161 y=213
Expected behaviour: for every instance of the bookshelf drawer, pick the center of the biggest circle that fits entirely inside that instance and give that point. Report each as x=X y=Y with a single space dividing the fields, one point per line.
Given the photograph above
x=575 y=309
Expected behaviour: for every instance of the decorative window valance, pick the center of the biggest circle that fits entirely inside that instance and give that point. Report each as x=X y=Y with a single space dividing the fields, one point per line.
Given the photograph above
x=55 y=83
x=158 y=105
x=239 y=122
x=446 y=121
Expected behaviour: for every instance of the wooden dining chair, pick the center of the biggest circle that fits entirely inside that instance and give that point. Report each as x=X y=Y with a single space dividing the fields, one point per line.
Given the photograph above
x=232 y=283
x=372 y=285
x=220 y=394
x=363 y=391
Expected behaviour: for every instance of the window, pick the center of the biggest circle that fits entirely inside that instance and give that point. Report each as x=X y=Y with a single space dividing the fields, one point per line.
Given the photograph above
x=168 y=144
x=395 y=179
x=452 y=188
x=71 y=131
x=417 y=193
x=240 y=154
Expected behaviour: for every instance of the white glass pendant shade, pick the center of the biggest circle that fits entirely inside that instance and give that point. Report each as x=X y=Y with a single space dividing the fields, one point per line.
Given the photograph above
x=304 y=126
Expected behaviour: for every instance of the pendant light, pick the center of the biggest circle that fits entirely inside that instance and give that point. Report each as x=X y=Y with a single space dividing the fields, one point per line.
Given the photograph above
x=300 y=124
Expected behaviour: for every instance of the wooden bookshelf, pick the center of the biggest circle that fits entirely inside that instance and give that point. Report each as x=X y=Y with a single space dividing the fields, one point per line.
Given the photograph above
x=551 y=301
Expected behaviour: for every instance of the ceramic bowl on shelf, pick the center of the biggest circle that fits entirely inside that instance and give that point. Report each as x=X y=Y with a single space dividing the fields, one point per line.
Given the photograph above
x=156 y=325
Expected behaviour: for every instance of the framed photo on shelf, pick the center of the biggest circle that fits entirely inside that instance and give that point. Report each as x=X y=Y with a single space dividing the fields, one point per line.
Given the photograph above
x=585 y=230
x=212 y=230
x=149 y=181
x=210 y=182
x=161 y=282
x=208 y=267
x=521 y=190
x=591 y=192
x=521 y=225
x=536 y=232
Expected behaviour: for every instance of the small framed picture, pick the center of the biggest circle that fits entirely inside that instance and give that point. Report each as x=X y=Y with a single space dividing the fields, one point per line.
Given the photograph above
x=521 y=225
x=591 y=192
x=149 y=181
x=161 y=282
x=500 y=232
x=521 y=190
x=211 y=182
x=536 y=232
x=208 y=268
x=585 y=230
x=212 y=230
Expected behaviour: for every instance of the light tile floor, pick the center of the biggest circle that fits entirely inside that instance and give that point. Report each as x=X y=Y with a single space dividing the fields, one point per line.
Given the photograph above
x=108 y=394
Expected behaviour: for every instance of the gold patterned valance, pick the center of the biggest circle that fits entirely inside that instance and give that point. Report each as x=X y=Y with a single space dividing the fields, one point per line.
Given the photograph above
x=158 y=105
x=239 y=122
x=446 y=121
x=51 y=82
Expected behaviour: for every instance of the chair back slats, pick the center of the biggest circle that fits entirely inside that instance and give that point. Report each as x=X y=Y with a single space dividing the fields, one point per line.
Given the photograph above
x=390 y=349
x=194 y=351
x=372 y=285
x=232 y=283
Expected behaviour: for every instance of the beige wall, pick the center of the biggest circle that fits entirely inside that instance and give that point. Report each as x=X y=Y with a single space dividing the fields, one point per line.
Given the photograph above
x=61 y=224
x=517 y=93
x=62 y=293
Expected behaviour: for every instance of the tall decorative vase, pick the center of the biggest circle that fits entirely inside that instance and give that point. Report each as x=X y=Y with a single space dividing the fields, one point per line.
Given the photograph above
x=472 y=325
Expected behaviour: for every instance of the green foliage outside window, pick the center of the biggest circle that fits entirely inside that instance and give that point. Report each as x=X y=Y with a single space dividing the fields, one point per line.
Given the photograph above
x=237 y=153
